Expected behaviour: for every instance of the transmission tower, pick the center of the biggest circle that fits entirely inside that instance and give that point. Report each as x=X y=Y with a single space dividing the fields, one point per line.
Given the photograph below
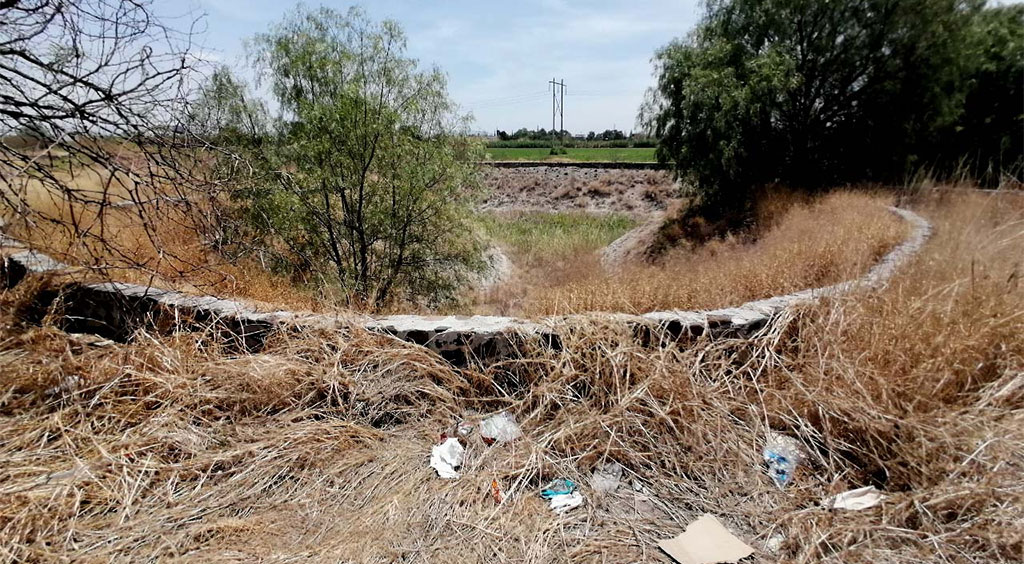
x=557 y=108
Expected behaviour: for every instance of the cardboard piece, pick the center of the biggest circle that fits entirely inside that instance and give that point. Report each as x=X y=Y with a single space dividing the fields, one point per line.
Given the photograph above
x=705 y=541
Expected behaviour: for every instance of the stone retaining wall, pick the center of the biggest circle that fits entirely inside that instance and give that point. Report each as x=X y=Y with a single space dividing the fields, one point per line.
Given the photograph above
x=580 y=164
x=116 y=310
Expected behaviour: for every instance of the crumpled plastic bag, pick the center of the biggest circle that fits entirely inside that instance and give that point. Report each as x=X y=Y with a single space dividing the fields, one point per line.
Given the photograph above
x=562 y=495
x=446 y=457
x=606 y=478
x=564 y=502
x=559 y=486
x=501 y=427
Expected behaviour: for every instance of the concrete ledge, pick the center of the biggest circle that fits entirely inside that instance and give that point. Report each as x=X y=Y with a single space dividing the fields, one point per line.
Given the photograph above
x=116 y=310
x=579 y=164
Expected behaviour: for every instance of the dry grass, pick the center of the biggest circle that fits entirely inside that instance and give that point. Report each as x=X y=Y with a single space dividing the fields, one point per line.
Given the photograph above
x=159 y=242
x=316 y=449
x=804 y=245
x=545 y=249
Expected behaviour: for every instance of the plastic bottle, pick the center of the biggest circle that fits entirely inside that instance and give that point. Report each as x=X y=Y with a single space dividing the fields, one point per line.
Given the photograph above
x=783 y=454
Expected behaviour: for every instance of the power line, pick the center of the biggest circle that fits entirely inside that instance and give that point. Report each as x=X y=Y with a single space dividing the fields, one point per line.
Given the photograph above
x=599 y=93
x=503 y=104
x=507 y=102
x=510 y=97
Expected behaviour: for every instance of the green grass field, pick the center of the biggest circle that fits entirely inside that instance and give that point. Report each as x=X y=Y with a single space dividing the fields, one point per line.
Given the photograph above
x=602 y=154
x=534 y=237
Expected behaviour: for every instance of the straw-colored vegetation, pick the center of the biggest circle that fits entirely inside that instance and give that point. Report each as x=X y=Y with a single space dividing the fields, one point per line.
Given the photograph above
x=557 y=267
x=316 y=448
x=158 y=242
x=803 y=243
x=313 y=445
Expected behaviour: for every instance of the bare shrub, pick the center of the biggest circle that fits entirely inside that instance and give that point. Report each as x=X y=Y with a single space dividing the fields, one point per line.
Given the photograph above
x=100 y=87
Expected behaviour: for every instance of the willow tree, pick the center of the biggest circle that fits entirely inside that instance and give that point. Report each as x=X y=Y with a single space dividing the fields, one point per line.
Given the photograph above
x=371 y=178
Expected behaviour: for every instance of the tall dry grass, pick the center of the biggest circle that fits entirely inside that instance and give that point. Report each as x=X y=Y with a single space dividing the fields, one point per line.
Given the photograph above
x=546 y=249
x=316 y=449
x=157 y=241
x=802 y=244
x=160 y=242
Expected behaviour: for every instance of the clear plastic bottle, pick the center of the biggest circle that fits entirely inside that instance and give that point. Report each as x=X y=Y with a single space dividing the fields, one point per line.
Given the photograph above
x=783 y=454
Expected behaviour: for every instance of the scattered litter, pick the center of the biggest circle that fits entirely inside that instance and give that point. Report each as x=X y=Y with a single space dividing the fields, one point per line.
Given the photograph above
x=501 y=427
x=855 y=500
x=563 y=503
x=705 y=541
x=67 y=386
x=774 y=542
x=606 y=478
x=561 y=486
x=562 y=495
x=91 y=340
x=460 y=430
x=783 y=455
x=496 y=493
x=464 y=429
x=446 y=457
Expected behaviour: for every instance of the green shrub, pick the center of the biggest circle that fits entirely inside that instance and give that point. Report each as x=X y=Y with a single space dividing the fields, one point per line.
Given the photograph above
x=366 y=182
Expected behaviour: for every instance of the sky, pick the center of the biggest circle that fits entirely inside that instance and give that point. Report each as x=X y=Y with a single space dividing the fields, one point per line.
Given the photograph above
x=499 y=56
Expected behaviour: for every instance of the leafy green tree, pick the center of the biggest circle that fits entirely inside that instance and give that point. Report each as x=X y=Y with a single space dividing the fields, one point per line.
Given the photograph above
x=811 y=93
x=989 y=136
x=612 y=135
x=368 y=180
x=226 y=114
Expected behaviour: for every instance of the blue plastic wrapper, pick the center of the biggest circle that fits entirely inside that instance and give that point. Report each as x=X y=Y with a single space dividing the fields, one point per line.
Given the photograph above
x=561 y=486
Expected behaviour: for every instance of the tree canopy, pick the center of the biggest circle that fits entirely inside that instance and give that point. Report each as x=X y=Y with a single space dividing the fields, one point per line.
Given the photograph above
x=812 y=93
x=366 y=176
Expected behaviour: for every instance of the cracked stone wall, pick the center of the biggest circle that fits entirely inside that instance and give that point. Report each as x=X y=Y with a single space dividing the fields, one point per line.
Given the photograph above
x=116 y=310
